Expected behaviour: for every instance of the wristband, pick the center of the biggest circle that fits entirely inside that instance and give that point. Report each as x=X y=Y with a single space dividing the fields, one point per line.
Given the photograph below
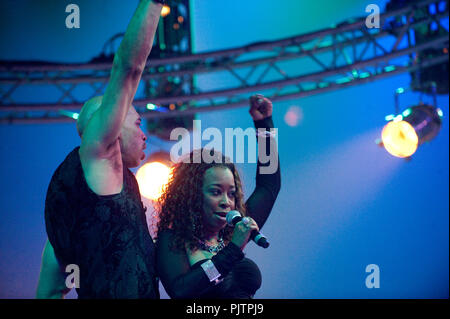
x=266 y=123
x=211 y=271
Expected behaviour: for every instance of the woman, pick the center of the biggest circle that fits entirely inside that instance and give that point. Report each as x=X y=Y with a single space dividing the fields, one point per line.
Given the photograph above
x=198 y=254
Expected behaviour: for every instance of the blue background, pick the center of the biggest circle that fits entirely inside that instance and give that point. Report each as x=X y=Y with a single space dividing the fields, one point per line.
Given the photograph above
x=345 y=203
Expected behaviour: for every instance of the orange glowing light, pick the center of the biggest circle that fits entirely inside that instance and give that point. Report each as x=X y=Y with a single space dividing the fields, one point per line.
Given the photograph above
x=165 y=11
x=151 y=178
x=399 y=138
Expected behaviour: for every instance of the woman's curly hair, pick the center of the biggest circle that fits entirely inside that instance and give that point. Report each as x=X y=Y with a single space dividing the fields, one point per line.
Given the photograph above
x=180 y=206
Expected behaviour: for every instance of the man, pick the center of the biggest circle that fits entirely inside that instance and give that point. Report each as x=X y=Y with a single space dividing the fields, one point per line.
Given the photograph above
x=95 y=219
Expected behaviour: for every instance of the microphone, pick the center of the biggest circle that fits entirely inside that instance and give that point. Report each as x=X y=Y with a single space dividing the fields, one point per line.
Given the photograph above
x=233 y=217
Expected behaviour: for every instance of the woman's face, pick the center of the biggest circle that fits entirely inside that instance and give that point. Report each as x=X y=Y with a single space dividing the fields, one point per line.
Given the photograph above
x=218 y=197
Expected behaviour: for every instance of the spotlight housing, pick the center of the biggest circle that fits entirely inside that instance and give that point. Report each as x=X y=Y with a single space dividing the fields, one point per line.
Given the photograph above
x=405 y=132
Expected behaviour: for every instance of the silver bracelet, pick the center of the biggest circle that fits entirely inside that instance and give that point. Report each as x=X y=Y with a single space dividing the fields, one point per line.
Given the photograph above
x=263 y=133
x=211 y=271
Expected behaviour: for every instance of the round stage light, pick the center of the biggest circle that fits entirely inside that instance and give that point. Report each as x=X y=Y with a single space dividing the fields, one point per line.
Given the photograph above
x=399 y=138
x=293 y=116
x=165 y=11
x=407 y=131
x=151 y=177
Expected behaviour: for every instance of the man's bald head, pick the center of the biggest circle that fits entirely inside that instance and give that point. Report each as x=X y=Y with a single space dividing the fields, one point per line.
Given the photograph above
x=88 y=109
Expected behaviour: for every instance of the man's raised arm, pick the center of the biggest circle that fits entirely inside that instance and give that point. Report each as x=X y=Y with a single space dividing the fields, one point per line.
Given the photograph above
x=129 y=62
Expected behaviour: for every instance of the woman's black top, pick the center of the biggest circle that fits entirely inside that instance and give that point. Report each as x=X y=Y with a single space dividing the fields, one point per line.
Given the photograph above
x=240 y=276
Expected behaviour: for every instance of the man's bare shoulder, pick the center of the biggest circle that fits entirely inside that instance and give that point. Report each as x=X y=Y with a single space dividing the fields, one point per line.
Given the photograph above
x=102 y=168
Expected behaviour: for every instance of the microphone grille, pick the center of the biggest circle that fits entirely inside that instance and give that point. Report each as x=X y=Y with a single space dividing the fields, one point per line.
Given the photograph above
x=231 y=215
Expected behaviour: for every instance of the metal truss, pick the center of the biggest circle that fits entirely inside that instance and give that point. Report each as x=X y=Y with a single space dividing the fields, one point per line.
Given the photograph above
x=335 y=58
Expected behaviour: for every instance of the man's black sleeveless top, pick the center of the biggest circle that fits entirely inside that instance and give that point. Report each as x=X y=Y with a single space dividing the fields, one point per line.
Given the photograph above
x=106 y=236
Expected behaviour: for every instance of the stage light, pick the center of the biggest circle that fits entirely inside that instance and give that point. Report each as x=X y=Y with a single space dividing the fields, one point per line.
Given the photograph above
x=400 y=91
x=390 y=68
x=405 y=132
x=399 y=138
x=151 y=106
x=72 y=115
x=165 y=11
x=293 y=116
x=153 y=175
